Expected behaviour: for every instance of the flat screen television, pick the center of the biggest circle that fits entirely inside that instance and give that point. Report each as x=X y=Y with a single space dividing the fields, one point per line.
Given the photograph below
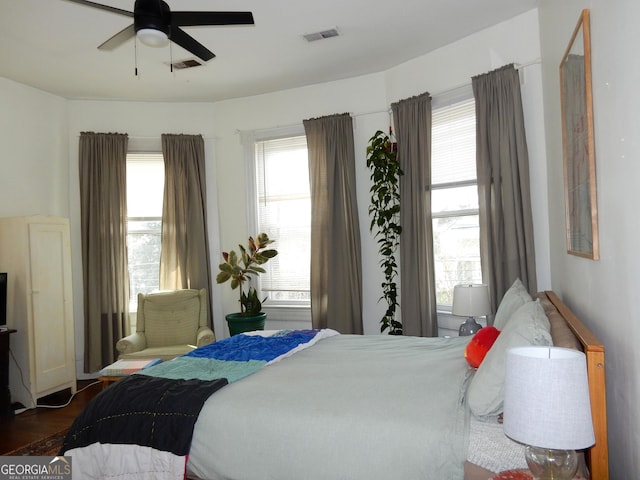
x=3 y=299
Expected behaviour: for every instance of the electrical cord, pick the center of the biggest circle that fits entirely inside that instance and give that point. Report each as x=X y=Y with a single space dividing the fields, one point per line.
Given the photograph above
x=97 y=382
x=21 y=410
x=33 y=400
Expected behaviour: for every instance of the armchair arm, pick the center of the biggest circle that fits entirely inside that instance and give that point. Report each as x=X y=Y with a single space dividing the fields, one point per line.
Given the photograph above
x=205 y=336
x=132 y=343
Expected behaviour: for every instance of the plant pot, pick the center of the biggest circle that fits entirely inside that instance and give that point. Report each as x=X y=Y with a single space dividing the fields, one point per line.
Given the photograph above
x=239 y=323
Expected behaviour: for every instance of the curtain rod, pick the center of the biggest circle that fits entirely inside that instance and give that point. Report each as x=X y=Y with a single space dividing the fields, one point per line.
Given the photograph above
x=537 y=61
x=157 y=137
x=372 y=112
x=300 y=124
x=517 y=66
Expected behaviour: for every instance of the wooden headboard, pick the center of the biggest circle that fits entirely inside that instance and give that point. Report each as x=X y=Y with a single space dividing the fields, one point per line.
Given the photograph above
x=598 y=455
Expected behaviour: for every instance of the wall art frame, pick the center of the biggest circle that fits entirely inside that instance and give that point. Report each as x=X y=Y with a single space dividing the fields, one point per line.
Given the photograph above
x=578 y=143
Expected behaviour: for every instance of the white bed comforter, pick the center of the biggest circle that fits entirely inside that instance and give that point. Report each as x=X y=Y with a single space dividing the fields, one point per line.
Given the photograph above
x=351 y=407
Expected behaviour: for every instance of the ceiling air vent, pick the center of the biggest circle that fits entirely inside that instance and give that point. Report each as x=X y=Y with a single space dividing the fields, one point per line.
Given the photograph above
x=312 y=37
x=182 y=64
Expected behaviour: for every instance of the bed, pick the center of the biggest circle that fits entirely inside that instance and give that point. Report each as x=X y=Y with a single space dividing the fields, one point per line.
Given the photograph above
x=337 y=407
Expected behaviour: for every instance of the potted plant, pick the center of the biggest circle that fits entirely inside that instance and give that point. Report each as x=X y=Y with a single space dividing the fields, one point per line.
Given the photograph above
x=240 y=269
x=385 y=220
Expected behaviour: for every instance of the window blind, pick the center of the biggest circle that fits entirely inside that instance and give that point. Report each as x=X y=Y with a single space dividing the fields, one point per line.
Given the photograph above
x=453 y=143
x=145 y=184
x=284 y=213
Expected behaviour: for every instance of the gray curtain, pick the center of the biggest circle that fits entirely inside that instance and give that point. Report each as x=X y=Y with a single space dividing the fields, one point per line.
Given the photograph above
x=506 y=224
x=103 y=206
x=412 y=118
x=336 y=268
x=184 y=259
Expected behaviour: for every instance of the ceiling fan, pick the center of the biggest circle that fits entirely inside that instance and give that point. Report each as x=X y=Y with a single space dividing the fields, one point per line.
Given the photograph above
x=154 y=24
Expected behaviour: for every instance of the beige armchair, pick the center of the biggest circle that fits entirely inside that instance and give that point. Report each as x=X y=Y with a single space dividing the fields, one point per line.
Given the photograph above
x=169 y=324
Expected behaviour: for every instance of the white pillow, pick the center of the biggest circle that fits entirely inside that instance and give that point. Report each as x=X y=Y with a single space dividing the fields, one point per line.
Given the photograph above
x=528 y=326
x=513 y=299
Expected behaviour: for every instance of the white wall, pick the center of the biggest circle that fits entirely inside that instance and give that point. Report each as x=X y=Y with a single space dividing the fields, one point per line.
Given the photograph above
x=603 y=293
x=33 y=152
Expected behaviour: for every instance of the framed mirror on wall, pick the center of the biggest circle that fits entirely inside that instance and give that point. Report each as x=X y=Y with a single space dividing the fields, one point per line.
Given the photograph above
x=578 y=144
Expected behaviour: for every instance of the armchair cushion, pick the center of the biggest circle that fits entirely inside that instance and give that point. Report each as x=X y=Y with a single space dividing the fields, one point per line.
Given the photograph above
x=171 y=320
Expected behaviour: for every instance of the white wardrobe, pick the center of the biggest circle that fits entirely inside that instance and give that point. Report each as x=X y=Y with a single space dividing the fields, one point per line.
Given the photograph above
x=35 y=252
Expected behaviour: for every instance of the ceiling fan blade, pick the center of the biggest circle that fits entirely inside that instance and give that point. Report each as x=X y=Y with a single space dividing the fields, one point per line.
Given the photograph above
x=190 y=19
x=189 y=43
x=103 y=7
x=119 y=38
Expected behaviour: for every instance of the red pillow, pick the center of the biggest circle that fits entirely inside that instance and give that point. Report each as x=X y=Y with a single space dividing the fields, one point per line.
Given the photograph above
x=480 y=344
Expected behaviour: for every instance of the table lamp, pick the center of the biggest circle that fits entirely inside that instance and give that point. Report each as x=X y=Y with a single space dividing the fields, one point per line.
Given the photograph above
x=470 y=300
x=547 y=408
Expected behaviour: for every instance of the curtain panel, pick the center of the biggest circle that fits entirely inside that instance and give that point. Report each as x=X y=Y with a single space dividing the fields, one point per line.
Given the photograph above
x=336 y=265
x=506 y=223
x=103 y=161
x=184 y=258
x=412 y=119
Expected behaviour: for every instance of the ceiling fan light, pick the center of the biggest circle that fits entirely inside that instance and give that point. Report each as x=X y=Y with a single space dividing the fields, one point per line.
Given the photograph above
x=152 y=37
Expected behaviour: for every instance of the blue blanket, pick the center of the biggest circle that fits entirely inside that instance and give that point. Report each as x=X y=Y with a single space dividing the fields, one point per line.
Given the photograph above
x=237 y=357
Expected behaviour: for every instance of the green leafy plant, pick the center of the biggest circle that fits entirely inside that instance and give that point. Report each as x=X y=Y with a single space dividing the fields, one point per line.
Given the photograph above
x=385 y=212
x=240 y=268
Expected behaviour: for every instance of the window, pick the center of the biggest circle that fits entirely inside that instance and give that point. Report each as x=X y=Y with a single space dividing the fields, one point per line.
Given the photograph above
x=454 y=197
x=284 y=213
x=145 y=187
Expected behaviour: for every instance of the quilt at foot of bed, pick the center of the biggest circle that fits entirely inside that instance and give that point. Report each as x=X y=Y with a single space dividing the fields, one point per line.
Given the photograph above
x=139 y=424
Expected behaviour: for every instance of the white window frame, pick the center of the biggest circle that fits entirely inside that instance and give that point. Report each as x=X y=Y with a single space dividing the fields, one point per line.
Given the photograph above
x=442 y=101
x=284 y=312
x=133 y=303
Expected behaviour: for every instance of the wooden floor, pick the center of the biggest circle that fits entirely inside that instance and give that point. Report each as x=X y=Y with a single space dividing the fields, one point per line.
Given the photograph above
x=22 y=429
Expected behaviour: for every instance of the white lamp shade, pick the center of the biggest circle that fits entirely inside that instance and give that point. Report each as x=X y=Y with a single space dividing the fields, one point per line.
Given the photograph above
x=546 y=401
x=471 y=300
x=152 y=37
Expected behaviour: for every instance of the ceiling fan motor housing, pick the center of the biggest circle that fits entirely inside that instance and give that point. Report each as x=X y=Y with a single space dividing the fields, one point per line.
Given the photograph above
x=152 y=14
x=155 y=25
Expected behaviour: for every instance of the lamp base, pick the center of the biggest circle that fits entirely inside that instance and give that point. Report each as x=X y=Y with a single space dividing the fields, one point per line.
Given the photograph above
x=469 y=327
x=549 y=464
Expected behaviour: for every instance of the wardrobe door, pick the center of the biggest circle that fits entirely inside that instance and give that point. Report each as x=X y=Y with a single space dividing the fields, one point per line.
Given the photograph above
x=53 y=359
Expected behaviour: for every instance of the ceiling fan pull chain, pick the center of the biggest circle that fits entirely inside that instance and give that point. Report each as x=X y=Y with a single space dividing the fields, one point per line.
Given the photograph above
x=135 y=55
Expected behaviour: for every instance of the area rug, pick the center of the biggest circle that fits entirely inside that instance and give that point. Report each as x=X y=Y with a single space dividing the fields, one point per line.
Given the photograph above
x=45 y=447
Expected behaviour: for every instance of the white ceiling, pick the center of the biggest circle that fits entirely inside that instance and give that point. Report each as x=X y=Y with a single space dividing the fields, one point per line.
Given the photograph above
x=52 y=45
